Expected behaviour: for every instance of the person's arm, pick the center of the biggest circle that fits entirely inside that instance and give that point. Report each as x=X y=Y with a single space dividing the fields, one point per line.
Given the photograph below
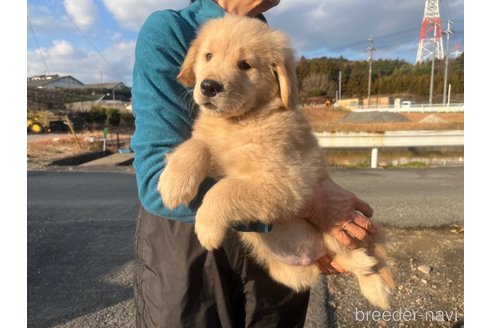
x=343 y=215
x=340 y=213
x=163 y=108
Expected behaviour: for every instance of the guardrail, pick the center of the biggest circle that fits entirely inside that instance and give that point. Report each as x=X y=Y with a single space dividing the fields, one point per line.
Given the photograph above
x=390 y=139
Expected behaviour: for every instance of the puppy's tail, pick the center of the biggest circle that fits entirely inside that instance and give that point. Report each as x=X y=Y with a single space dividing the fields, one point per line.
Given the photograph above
x=375 y=279
x=377 y=249
x=379 y=252
x=375 y=288
x=369 y=266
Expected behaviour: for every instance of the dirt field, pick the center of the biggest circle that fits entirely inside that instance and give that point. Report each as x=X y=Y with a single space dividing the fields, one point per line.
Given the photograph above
x=43 y=149
x=330 y=121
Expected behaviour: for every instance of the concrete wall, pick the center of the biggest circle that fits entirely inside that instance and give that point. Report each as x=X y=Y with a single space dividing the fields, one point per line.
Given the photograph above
x=86 y=106
x=348 y=103
x=378 y=101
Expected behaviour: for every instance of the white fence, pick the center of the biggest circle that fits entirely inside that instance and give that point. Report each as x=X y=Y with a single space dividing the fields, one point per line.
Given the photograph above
x=414 y=108
x=452 y=108
x=390 y=139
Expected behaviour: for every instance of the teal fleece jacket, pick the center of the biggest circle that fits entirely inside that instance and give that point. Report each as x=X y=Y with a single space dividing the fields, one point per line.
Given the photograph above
x=164 y=110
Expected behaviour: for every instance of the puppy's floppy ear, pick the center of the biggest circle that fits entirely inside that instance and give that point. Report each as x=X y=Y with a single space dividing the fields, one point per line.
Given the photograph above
x=187 y=74
x=287 y=79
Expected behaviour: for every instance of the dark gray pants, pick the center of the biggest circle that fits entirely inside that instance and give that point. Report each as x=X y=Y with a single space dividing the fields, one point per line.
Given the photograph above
x=177 y=283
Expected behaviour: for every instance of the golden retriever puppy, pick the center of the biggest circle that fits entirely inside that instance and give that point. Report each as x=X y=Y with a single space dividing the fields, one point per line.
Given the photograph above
x=261 y=150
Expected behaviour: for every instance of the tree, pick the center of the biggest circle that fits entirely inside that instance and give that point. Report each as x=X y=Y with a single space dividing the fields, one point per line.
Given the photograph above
x=98 y=115
x=114 y=117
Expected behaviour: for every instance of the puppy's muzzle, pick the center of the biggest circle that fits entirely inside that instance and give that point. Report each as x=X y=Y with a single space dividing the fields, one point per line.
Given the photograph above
x=210 y=88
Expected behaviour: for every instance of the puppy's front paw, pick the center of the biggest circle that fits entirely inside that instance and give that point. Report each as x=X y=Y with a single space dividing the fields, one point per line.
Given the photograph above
x=176 y=189
x=210 y=236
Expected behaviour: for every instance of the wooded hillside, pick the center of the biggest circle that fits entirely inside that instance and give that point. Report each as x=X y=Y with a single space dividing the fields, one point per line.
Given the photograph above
x=319 y=77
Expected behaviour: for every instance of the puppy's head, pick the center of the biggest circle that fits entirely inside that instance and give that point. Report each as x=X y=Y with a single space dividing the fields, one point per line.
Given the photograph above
x=237 y=64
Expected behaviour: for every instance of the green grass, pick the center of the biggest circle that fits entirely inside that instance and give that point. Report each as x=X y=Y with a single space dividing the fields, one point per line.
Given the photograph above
x=414 y=165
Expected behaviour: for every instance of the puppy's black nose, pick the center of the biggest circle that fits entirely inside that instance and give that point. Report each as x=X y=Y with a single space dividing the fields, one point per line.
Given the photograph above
x=210 y=88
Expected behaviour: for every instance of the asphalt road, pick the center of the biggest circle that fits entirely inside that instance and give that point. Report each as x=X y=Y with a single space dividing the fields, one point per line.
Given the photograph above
x=430 y=197
x=80 y=234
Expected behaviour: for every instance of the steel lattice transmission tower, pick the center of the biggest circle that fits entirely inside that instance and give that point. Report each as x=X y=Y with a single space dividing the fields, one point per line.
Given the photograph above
x=430 y=43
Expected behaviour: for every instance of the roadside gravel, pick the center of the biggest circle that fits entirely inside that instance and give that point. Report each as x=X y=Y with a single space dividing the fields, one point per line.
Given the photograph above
x=422 y=298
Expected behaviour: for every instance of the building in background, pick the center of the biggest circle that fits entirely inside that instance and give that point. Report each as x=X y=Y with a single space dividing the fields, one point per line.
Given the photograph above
x=53 y=81
x=55 y=92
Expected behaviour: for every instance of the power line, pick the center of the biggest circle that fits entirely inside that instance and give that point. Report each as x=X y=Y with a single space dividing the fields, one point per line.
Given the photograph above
x=362 y=42
x=39 y=48
x=57 y=27
x=97 y=50
x=380 y=37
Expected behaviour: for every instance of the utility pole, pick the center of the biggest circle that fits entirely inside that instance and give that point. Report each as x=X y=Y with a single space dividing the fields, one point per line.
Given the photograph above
x=448 y=32
x=340 y=84
x=449 y=93
x=371 y=50
x=432 y=69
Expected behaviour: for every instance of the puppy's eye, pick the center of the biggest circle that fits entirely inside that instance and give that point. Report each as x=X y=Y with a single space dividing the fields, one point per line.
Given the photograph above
x=243 y=65
x=208 y=56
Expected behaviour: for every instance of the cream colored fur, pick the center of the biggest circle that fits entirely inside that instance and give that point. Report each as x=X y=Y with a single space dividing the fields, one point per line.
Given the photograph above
x=250 y=137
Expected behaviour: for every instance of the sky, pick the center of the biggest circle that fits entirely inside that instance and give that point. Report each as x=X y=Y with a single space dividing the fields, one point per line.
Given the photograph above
x=94 y=40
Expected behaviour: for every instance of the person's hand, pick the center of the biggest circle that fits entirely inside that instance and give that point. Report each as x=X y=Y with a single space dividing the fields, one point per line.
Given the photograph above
x=329 y=266
x=340 y=213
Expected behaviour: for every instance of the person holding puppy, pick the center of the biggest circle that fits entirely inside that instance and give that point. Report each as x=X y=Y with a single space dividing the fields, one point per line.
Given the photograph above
x=177 y=283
